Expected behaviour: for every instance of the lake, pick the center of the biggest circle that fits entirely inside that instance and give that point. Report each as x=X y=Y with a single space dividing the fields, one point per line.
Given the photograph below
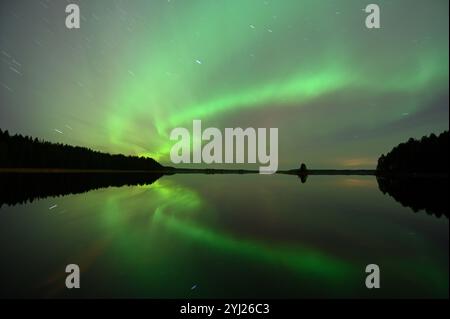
x=218 y=236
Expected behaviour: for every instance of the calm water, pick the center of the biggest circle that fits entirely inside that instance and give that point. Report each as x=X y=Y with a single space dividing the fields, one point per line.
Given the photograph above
x=224 y=236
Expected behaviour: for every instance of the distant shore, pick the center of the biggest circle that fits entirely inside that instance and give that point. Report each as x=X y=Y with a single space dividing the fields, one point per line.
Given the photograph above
x=172 y=170
x=67 y=171
x=330 y=172
x=210 y=171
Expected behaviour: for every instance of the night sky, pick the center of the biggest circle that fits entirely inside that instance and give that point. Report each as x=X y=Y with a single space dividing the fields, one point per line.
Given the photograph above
x=339 y=93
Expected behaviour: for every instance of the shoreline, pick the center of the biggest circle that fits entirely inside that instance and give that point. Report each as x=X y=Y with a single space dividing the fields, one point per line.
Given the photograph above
x=171 y=170
x=209 y=171
x=74 y=171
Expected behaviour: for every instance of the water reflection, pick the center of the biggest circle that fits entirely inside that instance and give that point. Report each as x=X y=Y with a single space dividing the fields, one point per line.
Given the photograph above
x=427 y=194
x=229 y=235
x=171 y=205
x=303 y=178
x=22 y=188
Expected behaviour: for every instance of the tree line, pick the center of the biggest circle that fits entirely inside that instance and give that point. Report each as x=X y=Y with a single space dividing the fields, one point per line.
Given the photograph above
x=19 y=151
x=429 y=155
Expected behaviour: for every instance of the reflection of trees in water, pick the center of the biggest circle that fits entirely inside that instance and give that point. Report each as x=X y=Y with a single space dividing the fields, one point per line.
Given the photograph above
x=425 y=193
x=22 y=188
x=303 y=177
x=429 y=194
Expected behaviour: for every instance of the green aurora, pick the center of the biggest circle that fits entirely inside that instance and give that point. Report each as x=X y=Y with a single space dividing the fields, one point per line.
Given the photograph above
x=339 y=93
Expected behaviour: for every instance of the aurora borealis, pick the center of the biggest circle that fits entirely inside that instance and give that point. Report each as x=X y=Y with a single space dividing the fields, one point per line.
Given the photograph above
x=339 y=93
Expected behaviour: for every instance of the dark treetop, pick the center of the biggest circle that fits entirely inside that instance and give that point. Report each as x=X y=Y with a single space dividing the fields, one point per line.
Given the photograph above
x=427 y=156
x=24 y=152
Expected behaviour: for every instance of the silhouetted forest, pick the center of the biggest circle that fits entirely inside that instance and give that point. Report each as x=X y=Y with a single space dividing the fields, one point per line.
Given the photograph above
x=24 y=152
x=18 y=188
x=429 y=155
